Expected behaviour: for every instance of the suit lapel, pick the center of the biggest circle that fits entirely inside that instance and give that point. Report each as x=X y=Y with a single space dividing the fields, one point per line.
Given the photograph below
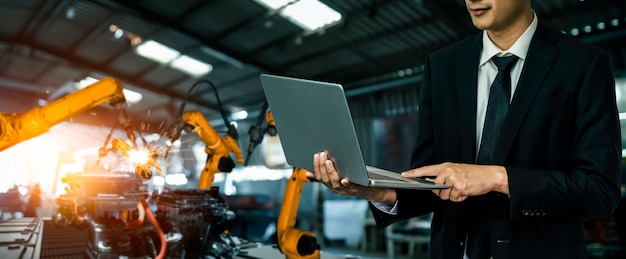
x=541 y=55
x=467 y=82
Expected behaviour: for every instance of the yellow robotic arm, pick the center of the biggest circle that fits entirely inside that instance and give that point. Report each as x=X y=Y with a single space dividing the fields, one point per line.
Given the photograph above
x=15 y=128
x=218 y=148
x=293 y=242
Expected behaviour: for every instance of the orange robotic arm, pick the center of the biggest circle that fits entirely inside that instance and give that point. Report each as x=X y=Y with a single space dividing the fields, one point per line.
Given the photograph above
x=293 y=242
x=15 y=128
x=218 y=148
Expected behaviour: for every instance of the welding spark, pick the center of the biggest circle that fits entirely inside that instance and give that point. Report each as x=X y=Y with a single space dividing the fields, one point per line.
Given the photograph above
x=139 y=156
x=143 y=158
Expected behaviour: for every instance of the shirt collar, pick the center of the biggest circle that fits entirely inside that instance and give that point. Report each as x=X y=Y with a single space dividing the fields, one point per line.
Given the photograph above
x=519 y=48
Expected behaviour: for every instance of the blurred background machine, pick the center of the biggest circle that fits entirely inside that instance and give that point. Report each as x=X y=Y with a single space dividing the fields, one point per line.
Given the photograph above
x=115 y=213
x=113 y=206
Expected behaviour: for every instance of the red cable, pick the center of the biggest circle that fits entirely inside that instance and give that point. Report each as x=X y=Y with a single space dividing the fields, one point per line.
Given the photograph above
x=152 y=219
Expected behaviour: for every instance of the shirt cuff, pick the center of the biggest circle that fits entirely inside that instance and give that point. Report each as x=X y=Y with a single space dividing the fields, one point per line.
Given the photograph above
x=386 y=208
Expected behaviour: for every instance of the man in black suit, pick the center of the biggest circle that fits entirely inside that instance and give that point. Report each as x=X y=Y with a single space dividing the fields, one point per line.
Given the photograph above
x=555 y=160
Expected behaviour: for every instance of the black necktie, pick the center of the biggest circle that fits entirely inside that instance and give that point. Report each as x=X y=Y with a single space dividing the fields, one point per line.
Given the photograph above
x=497 y=107
x=478 y=245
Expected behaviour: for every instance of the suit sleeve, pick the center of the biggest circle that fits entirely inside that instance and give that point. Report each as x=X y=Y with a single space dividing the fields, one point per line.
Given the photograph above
x=590 y=186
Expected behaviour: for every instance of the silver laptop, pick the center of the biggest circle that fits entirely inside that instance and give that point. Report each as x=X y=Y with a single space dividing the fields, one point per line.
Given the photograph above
x=313 y=116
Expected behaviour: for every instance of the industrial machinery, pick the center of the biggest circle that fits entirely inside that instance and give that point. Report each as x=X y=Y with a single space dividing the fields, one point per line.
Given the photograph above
x=15 y=128
x=110 y=204
x=201 y=215
x=257 y=132
x=218 y=148
x=113 y=208
x=186 y=224
x=292 y=242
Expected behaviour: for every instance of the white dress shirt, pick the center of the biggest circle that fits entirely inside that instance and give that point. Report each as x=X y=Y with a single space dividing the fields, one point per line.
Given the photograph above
x=487 y=71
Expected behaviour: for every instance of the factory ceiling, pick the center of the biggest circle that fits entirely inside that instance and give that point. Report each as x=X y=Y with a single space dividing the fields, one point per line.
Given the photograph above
x=47 y=45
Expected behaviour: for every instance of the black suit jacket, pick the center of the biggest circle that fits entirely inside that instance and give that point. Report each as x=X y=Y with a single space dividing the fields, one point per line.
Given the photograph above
x=560 y=144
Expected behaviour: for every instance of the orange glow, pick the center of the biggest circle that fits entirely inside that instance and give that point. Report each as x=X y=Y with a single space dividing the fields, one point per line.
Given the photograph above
x=33 y=161
x=143 y=158
x=139 y=156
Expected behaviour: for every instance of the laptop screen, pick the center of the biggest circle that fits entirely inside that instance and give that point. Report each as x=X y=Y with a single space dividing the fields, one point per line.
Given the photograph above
x=311 y=117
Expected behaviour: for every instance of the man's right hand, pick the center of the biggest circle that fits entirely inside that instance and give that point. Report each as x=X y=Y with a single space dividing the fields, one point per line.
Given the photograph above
x=326 y=173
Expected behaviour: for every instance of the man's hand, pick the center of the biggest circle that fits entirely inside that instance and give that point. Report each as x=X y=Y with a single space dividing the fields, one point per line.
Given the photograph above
x=465 y=179
x=326 y=173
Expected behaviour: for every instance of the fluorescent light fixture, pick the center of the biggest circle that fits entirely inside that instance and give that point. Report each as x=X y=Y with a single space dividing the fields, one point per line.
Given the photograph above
x=191 y=66
x=311 y=15
x=163 y=54
x=622 y=116
x=156 y=51
x=131 y=96
x=274 y=4
x=240 y=115
x=85 y=82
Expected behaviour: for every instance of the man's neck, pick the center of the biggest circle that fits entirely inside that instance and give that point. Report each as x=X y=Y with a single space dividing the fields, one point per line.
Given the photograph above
x=506 y=37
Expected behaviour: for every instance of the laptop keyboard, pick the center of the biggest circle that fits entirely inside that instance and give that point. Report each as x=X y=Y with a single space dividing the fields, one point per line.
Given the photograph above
x=375 y=176
x=380 y=177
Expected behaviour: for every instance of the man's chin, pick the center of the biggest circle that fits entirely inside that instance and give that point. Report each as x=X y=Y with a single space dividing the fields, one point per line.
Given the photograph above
x=481 y=23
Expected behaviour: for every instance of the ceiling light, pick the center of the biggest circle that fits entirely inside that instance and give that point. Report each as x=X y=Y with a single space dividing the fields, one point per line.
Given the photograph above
x=131 y=96
x=85 y=82
x=191 y=66
x=156 y=51
x=70 y=13
x=274 y=4
x=240 y=115
x=311 y=14
x=118 y=34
